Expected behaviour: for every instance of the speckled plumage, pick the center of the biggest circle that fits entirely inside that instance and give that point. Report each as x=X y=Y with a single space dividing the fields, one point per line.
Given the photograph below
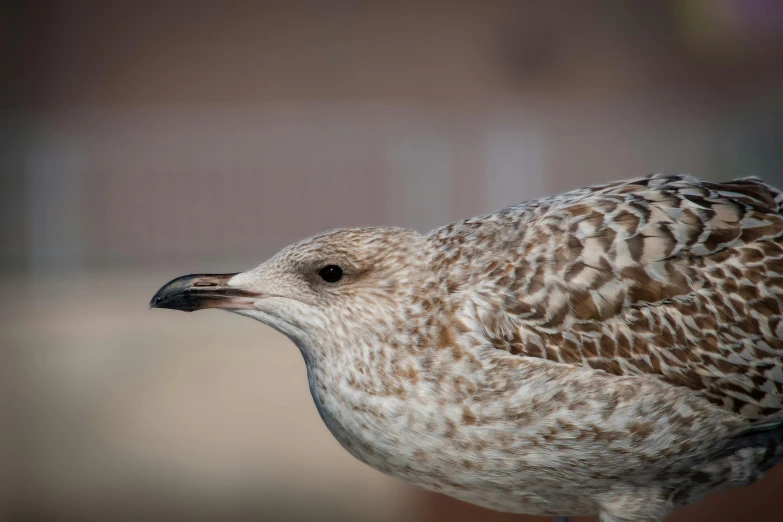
x=616 y=349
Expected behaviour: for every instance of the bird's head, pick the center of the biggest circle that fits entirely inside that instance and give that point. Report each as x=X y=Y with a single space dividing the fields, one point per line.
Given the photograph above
x=349 y=281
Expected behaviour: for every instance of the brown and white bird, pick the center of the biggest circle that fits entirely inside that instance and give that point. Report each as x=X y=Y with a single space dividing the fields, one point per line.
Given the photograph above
x=615 y=350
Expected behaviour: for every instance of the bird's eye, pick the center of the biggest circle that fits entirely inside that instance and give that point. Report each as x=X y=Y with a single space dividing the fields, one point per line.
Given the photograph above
x=331 y=273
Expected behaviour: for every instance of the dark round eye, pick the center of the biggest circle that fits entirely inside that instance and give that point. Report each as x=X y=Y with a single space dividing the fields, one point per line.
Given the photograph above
x=331 y=273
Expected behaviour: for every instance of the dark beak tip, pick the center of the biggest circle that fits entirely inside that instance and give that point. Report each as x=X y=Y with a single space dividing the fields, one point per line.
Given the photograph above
x=156 y=301
x=172 y=295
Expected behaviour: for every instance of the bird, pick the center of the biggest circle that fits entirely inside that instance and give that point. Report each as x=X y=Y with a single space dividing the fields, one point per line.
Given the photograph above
x=615 y=350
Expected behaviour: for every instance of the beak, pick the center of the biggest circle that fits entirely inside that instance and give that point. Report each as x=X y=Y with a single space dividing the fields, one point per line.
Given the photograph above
x=198 y=291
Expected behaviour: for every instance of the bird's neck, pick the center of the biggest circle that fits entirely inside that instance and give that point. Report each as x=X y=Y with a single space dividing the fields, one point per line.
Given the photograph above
x=358 y=390
x=366 y=384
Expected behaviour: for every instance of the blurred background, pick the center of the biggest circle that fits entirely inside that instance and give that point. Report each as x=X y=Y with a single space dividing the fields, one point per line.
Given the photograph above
x=143 y=140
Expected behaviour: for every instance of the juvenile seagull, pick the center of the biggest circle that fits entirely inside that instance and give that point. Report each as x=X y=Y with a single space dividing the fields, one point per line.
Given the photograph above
x=615 y=350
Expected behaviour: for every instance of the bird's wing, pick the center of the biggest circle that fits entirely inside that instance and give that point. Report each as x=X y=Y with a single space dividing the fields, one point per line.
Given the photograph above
x=666 y=276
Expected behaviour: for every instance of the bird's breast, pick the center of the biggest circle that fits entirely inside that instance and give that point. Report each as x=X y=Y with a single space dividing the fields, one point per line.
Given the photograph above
x=413 y=418
x=427 y=435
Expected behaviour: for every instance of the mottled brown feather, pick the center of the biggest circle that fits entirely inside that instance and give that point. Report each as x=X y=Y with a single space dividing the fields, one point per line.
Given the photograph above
x=666 y=276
